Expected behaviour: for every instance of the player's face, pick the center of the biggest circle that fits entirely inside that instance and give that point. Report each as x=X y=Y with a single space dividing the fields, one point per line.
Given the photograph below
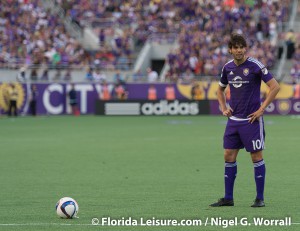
x=238 y=52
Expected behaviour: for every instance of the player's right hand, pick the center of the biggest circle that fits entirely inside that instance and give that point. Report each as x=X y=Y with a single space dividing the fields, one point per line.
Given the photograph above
x=227 y=112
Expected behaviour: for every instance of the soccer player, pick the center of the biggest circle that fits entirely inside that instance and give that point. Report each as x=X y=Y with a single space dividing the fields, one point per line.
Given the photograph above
x=245 y=126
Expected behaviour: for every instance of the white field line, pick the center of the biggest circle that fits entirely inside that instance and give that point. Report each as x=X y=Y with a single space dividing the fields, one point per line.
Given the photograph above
x=60 y=224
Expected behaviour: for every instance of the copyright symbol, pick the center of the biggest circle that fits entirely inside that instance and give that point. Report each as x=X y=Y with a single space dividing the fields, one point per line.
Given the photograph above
x=95 y=221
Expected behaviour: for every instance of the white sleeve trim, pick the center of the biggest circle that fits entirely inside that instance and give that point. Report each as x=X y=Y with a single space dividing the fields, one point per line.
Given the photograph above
x=222 y=85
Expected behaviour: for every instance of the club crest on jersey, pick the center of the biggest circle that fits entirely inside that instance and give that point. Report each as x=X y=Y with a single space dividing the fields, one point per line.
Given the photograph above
x=246 y=71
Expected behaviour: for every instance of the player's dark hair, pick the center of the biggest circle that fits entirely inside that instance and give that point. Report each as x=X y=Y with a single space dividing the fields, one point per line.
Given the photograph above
x=237 y=40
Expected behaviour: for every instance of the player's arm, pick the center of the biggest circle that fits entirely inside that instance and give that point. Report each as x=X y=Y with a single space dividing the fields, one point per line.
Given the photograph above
x=223 y=83
x=222 y=101
x=273 y=91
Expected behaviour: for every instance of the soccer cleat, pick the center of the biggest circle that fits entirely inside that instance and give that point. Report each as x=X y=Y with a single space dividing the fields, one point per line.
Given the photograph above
x=258 y=203
x=223 y=202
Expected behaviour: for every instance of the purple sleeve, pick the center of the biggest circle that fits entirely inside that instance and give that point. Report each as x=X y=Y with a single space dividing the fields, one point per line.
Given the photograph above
x=223 y=81
x=265 y=74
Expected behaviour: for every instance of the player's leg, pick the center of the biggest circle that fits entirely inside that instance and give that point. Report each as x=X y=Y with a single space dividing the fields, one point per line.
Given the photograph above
x=259 y=175
x=253 y=137
x=232 y=144
x=230 y=172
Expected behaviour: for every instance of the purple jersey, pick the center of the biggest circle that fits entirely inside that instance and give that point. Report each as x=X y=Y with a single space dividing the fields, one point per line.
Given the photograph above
x=244 y=82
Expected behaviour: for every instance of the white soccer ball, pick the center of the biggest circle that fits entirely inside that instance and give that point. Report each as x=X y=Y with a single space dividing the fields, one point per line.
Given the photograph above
x=67 y=208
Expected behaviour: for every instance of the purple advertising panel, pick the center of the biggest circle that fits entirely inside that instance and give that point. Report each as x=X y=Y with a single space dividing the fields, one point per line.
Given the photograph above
x=140 y=91
x=53 y=98
x=277 y=107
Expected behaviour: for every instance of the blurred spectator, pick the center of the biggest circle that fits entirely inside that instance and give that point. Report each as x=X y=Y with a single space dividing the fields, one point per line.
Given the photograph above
x=13 y=98
x=295 y=72
x=102 y=37
x=152 y=93
x=187 y=76
x=45 y=76
x=34 y=75
x=22 y=74
x=170 y=92
x=118 y=77
x=152 y=75
x=68 y=75
x=89 y=74
x=122 y=62
x=120 y=92
x=296 y=56
x=296 y=88
x=33 y=99
x=193 y=60
x=138 y=76
x=172 y=76
x=105 y=92
x=99 y=76
x=259 y=31
x=57 y=76
x=73 y=100
x=196 y=91
x=290 y=39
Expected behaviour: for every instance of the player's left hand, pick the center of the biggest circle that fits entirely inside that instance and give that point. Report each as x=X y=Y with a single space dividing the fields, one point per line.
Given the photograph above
x=255 y=115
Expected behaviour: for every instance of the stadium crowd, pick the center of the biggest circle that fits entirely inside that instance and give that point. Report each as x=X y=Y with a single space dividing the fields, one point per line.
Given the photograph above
x=30 y=35
x=205 y=33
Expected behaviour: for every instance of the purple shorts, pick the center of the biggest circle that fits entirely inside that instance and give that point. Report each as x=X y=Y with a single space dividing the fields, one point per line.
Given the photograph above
x=242 y=134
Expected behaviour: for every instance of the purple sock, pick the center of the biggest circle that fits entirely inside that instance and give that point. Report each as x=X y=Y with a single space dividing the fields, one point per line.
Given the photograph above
x=259 y=174
x=229 y=177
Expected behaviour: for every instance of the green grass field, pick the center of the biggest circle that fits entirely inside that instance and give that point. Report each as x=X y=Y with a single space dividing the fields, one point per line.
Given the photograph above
x=139 y=167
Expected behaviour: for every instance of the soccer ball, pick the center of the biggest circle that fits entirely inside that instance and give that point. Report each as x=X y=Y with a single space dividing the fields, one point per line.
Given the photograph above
x=67 y=208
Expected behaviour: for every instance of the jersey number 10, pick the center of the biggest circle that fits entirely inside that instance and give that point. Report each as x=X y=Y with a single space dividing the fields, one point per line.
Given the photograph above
x=256 y=144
